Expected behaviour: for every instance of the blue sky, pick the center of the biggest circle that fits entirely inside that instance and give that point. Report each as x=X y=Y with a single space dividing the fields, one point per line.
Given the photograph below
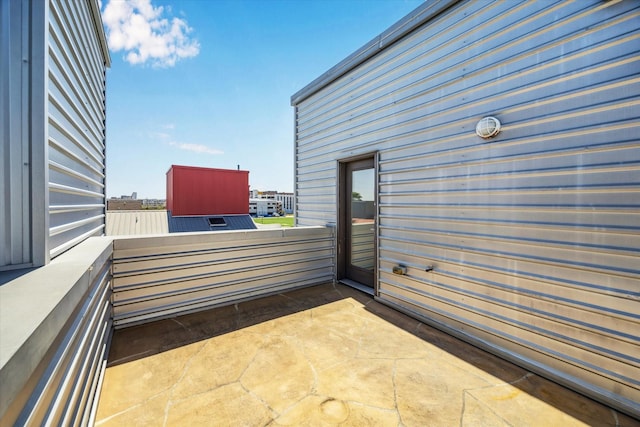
x=208 y=82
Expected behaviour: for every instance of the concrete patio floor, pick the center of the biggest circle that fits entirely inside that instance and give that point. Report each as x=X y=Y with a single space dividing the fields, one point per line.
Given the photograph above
x=325 y=355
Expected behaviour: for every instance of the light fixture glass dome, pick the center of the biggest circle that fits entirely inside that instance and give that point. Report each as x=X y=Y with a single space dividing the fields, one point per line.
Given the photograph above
x=488 y=127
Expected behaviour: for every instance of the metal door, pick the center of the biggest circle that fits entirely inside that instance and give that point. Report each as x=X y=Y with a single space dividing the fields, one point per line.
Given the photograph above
x=358 y=204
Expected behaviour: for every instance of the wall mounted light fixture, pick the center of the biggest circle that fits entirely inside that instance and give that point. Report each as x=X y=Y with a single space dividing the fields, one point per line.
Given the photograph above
x=488 y=127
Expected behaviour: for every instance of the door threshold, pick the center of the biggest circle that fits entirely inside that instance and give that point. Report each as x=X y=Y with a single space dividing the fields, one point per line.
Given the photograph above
x=359 y=286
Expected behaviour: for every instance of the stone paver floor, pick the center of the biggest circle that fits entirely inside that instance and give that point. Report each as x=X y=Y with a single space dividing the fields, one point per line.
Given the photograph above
x=325 y=355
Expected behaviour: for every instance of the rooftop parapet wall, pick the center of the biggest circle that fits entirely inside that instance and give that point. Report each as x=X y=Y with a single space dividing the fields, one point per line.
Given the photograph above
x=157 y=277
x=55 y=325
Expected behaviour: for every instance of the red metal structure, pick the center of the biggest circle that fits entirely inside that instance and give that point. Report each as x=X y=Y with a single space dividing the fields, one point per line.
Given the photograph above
x=205 y=191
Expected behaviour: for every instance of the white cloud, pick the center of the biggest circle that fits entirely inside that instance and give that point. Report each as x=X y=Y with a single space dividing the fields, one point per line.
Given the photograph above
x=146 y=35
x=160 y=135
x=198 y=148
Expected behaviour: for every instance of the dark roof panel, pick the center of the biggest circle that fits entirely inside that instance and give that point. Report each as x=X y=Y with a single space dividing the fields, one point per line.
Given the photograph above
x=181 y=224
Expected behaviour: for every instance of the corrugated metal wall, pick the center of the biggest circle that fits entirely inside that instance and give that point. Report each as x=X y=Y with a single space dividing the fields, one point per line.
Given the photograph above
x=157 y=277
x=63 y=389
x=21 y=123
x=76 y=125
x=534 y=234
x=53 y=60
x=12 y=251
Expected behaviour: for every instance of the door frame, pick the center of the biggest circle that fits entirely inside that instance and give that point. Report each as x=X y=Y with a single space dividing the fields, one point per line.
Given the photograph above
x=341 y=210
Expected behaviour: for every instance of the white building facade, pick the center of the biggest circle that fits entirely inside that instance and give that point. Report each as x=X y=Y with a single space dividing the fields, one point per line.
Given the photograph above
x=286 y=199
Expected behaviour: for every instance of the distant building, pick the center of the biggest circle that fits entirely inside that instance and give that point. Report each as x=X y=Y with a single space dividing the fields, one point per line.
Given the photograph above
x=265 y=207
x=198 y=199
x=287 y=201
x=206 y=199
x=154 y=203
x=285 y=198
x=132 y=202
x=124 y=205
x=206 y=191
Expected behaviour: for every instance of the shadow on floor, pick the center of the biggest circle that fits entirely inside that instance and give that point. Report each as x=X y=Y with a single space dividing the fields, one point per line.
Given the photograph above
x=147 y=339
x=142 y=341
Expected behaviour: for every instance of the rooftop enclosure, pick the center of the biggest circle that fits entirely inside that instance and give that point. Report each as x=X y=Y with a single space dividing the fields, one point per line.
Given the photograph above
x=525 y=244
x=56 y=336
x=534 y=234
x=204 y=191
x=53 y=58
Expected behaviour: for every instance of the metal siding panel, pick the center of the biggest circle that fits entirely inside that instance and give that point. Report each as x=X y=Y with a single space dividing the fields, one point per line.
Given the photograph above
x=14 y=179
x=316 y=188
x=22 y=152
x=534 y=235
x=158 y=277
x=553 y=335
x=76 y=103
x=206 y=191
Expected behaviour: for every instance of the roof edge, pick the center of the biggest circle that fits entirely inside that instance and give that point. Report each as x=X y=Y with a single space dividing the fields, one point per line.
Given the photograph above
x=423 y=13
x=205 y=168
x=97 y=22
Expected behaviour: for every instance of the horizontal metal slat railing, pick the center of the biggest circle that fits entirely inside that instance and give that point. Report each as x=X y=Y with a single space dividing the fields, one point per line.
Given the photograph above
x=161 y=276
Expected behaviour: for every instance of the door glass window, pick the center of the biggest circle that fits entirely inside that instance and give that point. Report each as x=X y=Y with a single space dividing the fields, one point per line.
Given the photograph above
x=362 y=219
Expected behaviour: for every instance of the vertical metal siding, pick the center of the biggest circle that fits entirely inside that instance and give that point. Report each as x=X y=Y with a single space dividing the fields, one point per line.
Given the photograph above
x=534 y=234
x=14 y=177
x=76 y=130
x=157 y=277
x=21 y=125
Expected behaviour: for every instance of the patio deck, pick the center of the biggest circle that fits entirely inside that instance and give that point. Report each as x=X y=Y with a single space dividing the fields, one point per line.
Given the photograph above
x=323 y=355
